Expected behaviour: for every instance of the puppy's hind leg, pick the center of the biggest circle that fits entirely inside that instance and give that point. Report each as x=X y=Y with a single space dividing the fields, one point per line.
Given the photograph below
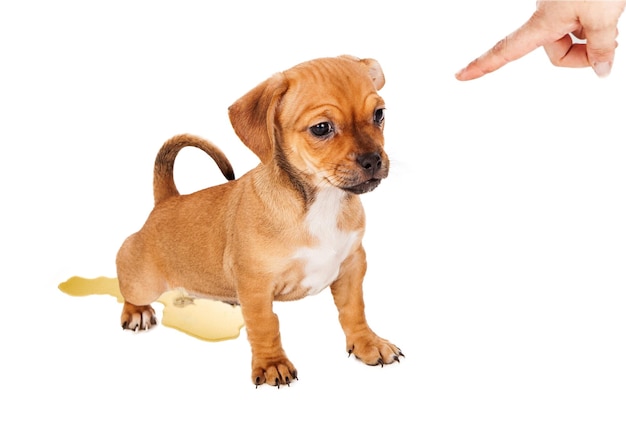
x=139 y=286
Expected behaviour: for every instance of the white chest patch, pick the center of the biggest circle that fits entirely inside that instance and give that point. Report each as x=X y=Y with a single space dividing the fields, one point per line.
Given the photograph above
x=322 y=261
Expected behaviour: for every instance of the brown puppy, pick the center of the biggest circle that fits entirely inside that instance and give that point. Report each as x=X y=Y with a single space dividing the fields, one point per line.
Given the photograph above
x=289 y=228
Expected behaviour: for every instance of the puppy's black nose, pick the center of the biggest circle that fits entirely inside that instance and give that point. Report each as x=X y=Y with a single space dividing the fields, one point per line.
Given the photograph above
x=370 y=162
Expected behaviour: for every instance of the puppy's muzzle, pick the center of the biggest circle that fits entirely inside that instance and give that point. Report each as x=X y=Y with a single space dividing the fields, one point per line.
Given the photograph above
x=372 y=168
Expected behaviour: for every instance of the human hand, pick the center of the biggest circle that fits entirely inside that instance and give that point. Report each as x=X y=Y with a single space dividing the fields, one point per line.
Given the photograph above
x=552 y=26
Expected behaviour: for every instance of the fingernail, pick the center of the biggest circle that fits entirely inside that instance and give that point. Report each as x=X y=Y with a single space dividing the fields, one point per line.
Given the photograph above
x=602 y=69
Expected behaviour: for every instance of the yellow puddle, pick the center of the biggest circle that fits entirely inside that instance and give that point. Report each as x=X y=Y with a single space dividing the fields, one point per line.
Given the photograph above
x=199 y=317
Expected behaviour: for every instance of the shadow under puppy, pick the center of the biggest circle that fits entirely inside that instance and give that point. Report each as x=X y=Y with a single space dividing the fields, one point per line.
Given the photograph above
x=289 y=228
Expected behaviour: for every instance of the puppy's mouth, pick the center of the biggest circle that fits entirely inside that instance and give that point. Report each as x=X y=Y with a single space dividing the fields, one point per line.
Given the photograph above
x=363 y=187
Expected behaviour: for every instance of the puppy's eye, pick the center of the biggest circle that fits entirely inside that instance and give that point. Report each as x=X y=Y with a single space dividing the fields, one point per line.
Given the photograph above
x=379 y=116
x=322 y=129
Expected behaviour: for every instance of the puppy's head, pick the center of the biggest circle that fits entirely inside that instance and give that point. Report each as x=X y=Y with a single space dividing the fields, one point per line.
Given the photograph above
x=321 y=121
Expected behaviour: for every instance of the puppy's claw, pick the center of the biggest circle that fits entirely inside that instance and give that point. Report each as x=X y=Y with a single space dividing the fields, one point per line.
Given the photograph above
x=137 y=318
x=380 y=361
x=126 y=326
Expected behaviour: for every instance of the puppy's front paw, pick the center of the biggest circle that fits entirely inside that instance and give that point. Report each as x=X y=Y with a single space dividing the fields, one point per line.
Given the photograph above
x=138 y=317
x=275 y=372
x=373 y=350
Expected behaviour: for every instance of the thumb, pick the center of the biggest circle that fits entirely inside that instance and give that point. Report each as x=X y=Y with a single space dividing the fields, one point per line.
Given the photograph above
x=601 y=46
x=599 y=21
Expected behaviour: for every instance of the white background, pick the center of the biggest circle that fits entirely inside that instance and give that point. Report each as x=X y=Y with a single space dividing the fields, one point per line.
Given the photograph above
x=496 y=248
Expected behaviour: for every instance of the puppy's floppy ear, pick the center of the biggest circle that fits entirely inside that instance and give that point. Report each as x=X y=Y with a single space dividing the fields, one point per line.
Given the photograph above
x=252 y=116
x=373 y=68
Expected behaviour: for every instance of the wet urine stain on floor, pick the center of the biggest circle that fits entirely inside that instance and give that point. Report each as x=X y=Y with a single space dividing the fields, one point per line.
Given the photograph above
x=204 y=319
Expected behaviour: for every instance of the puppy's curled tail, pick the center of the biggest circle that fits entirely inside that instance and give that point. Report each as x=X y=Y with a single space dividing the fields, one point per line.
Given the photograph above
x=163 y=183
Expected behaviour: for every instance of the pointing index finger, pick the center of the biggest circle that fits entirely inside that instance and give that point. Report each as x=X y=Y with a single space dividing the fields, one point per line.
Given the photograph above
x=530 y=36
